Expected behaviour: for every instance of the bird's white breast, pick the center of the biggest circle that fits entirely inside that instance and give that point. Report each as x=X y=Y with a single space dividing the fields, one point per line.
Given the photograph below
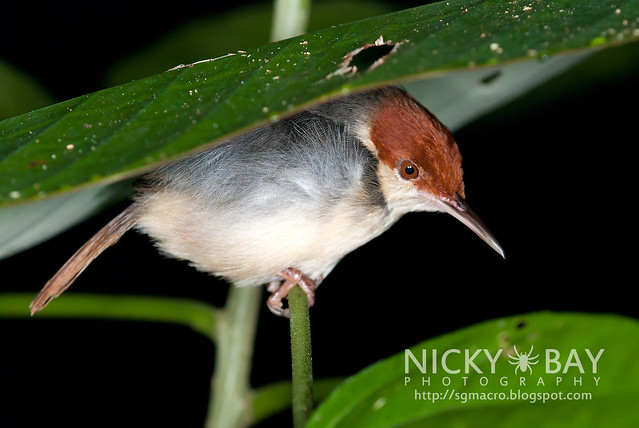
x=252 y=250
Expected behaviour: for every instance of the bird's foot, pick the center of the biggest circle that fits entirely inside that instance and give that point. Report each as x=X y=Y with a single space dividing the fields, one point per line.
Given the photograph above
x=280 y=289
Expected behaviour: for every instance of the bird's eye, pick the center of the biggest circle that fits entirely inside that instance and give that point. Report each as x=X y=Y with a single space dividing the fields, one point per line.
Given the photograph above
x=408 y=169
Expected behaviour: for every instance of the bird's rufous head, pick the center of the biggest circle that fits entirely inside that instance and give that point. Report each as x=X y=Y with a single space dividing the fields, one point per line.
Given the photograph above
x=424 y=159
x=412 y=141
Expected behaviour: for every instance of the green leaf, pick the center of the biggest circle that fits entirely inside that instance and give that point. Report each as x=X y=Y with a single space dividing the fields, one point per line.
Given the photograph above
x=126 y=130
x=385 y=395
x=199 y=316
x=457 y=98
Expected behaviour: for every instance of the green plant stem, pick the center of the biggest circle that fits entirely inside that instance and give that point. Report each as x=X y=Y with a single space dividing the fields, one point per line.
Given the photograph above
x=301 y=357
x=230 y=393
x=290 y=18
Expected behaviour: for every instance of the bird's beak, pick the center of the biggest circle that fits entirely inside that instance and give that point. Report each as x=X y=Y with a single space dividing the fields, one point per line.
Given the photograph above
x=458 y=208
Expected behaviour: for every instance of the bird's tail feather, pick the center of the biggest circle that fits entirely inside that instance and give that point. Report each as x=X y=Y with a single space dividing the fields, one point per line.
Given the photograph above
x=106 y=237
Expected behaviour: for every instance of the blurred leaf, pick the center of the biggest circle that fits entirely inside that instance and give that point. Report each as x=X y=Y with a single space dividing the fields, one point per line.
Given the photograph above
x=19 y=93
x=384 y=395
x=124 y=131
x=199 y=316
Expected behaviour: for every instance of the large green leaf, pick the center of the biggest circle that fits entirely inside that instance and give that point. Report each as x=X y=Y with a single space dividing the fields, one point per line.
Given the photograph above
x=26 y=225
x=385 y=395
x=457 y=98
x=126 y=130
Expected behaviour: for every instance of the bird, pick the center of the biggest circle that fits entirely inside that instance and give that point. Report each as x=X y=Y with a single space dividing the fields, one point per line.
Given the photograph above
x=282 y=204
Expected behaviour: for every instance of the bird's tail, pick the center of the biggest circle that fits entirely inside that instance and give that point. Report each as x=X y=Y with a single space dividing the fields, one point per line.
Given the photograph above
x=107 y=236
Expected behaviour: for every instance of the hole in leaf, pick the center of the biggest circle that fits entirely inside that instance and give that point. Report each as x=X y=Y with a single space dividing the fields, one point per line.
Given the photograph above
x=490 y=78
x=367 y=57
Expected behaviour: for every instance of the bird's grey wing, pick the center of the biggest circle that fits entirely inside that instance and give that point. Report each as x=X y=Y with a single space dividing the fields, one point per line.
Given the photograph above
x=296 y=160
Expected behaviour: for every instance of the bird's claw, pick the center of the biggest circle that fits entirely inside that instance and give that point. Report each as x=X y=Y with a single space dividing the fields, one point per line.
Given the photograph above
x=279 y=290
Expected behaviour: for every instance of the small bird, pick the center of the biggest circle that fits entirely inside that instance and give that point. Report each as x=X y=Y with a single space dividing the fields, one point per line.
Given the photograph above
x=281 y=205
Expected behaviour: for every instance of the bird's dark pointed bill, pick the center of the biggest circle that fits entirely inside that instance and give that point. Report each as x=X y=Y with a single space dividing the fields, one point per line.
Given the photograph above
x=458 y=208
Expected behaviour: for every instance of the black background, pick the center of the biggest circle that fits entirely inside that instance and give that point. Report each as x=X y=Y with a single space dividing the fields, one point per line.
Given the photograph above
x=552 y=175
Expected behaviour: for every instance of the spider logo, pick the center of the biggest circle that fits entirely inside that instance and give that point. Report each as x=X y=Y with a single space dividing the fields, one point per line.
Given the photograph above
x=523 y=361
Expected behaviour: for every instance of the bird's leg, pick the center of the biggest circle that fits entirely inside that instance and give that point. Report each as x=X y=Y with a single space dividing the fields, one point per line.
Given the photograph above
x=279 y=290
